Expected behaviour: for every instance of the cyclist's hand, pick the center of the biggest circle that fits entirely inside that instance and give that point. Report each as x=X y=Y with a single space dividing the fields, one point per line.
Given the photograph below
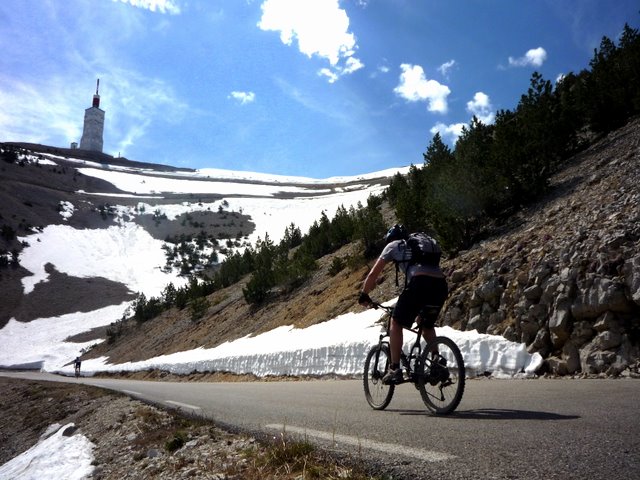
x=364 y=299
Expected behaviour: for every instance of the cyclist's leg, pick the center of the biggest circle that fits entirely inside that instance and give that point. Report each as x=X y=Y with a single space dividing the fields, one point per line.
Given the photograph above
x=395 y=341
x=429 y=334
x=435 y=291
x=404 y=314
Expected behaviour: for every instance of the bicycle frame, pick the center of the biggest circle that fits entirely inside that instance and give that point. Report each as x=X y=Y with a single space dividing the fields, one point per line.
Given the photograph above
x=414 y=351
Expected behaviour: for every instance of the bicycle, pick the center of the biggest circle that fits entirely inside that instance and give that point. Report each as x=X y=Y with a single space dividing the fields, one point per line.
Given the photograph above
x=437 y=370
x=77 y=370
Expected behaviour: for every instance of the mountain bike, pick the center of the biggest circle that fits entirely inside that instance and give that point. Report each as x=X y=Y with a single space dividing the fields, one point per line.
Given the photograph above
x=437 y=370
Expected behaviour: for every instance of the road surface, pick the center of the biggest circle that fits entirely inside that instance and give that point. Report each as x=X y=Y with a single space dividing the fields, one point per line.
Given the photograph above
x=503 y=429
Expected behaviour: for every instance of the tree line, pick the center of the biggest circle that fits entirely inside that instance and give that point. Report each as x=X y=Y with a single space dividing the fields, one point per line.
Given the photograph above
x=275 y=268
x=495 y=169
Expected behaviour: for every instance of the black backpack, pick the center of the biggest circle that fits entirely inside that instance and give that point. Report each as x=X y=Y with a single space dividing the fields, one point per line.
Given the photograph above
x=424 y=251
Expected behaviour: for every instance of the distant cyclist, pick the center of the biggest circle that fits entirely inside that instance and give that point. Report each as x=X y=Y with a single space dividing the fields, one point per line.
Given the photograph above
x=76 y=366
x=425 y=284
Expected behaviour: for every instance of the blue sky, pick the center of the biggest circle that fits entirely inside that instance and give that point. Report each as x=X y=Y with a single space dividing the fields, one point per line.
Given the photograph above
x=294 y=87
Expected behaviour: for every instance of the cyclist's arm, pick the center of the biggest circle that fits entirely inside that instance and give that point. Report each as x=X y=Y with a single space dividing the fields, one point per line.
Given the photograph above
x=370 y=282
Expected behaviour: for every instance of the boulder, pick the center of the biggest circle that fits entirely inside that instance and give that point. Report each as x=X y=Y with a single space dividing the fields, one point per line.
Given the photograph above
x=571 y=355
x=479 y=323
x=458 y=276
x=490 y=292
x=631 y=270
x=607 y=340
x=541 y=343
x=560 y=322
x=603 y=294
x=608 y=321
x=594 y=361
x=557 y=366
x=582 y=333
x=533 y=293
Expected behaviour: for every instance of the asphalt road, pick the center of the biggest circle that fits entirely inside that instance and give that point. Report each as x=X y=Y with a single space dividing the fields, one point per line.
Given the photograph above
x=503 y=429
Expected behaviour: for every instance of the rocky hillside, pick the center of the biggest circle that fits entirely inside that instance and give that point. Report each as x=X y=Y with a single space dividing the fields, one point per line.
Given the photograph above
x=562 y=276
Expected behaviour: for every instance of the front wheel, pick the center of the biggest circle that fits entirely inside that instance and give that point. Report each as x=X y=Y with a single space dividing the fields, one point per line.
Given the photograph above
x=378 y=394
x=441 y=376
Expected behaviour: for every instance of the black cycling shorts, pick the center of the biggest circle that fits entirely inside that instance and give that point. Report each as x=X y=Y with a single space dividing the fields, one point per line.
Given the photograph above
x=422 y=290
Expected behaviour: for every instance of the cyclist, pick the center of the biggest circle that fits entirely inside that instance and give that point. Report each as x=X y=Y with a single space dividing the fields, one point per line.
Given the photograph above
x=424 y=285
x=76 y=366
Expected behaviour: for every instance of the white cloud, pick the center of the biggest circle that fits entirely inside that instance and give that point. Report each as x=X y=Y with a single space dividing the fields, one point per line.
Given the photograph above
x=320 y=27
x=448 y=132
x=534 y=58
x=481 y=107
x=330 y=74
x=352 y=64
x=445 y=67
x=243 y=97
x=381 y=69
x=162 y=6
x=415 y=87
x=333 y=74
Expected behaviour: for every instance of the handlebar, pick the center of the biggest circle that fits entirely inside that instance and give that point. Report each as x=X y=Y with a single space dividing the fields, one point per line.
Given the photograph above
x=376 y=306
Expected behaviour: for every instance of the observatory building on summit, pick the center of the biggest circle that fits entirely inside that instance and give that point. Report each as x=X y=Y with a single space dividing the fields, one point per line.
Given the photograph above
x=93 y=125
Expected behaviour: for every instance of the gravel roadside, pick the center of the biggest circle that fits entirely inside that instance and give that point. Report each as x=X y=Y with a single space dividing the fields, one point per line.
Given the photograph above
x=135 y=440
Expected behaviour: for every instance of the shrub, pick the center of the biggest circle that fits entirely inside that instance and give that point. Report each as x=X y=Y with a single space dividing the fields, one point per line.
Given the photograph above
x=176 y=443
x=337 y=265
x=198 y=307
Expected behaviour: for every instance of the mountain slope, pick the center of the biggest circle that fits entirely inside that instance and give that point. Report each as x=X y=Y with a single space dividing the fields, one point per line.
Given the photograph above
x=79 y=235
x=562 y=276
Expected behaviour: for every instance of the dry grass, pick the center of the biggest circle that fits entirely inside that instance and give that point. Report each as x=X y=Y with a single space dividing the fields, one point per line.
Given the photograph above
x=288 y=458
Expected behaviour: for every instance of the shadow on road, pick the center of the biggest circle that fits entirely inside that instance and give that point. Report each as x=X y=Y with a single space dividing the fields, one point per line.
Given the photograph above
x=495 y=414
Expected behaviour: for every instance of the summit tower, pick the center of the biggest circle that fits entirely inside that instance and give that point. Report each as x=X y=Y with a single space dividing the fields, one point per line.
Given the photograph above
x=93 y=125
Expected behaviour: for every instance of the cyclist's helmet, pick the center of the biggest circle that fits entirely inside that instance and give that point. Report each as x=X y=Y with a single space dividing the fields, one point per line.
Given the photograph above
x=397 y=232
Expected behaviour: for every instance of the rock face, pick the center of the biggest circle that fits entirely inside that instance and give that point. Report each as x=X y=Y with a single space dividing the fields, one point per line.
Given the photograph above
x=565 y=278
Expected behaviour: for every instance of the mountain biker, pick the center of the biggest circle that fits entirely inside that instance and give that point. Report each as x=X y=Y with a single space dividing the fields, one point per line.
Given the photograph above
x=424 y=285
x=76 y=365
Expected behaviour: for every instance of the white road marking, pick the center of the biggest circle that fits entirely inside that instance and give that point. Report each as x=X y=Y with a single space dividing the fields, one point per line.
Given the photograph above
x=183 y=405
x=427 y=455
x=131 y=392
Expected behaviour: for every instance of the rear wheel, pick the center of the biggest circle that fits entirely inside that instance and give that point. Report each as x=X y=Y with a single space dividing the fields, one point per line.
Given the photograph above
x=378 y=394
x=441 y=376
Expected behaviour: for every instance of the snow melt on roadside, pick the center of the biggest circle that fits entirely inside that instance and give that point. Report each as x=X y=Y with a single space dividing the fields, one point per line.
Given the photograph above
x=338 y=346
x=58 y=454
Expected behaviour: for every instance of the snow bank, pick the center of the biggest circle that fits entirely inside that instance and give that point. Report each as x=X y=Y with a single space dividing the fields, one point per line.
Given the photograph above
x=338 y=346
x=59 y=455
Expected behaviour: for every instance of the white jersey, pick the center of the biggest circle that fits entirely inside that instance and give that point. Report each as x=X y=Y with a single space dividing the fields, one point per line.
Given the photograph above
x=399 y=252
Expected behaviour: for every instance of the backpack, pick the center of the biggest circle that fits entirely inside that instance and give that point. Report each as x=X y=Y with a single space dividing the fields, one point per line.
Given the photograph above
x=424 y=251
